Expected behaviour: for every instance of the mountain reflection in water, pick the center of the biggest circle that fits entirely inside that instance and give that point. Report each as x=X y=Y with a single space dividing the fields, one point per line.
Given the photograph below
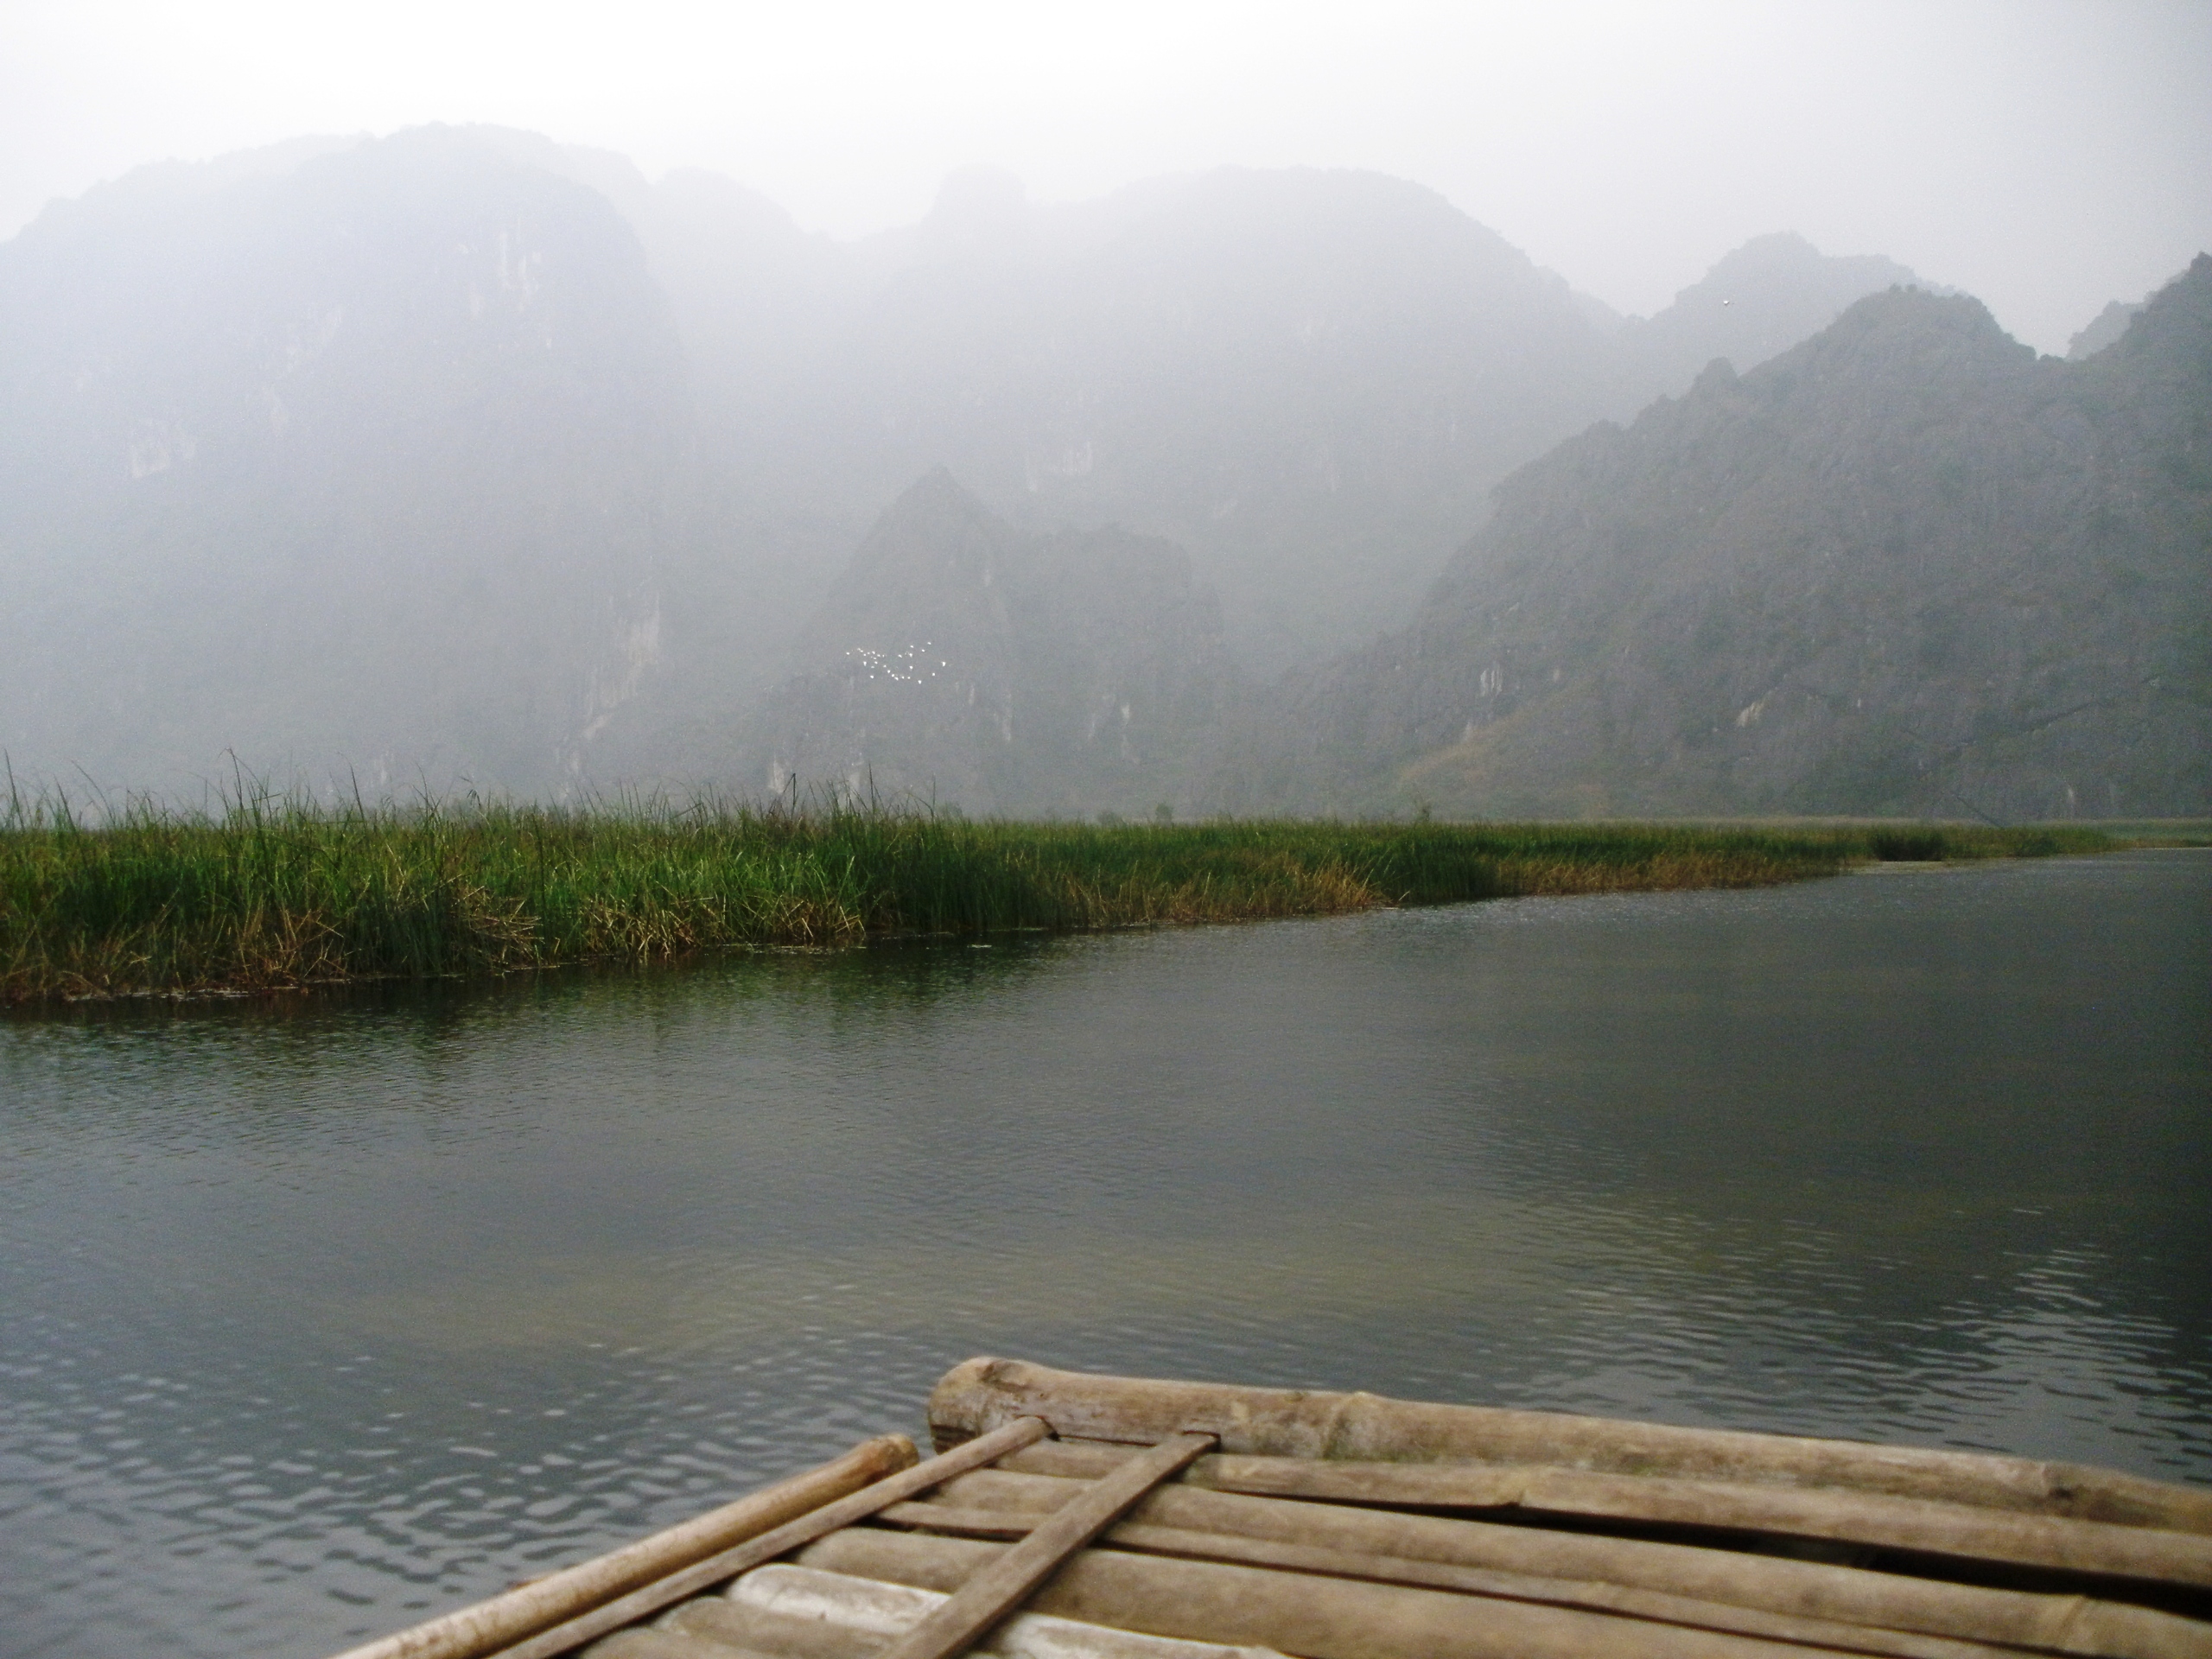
x=324 y=1314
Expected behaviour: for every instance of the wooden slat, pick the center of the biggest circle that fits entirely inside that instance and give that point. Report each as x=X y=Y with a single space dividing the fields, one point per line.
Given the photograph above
x=967 y=1520
x=1662 y=1608
x=1822 y=1634
x=650 y=1599
x=2042 y=1540
x=2069 y=1624
x=488 y=1625
x=980 y=1393
x=1303 y=1613
x=993 y=1594
x=1068 y=1459
x=796 y=1606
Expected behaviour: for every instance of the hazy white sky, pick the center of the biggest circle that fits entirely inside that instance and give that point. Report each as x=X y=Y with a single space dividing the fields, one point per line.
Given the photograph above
x=2045 y=156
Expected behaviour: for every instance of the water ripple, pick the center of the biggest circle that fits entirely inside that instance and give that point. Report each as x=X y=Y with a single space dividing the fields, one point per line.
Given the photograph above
x=325 y=1316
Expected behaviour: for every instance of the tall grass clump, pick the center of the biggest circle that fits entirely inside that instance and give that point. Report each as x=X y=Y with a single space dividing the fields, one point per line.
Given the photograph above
x=273 y=893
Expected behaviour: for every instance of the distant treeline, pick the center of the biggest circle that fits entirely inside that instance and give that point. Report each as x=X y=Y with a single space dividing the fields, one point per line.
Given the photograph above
x=272 y=895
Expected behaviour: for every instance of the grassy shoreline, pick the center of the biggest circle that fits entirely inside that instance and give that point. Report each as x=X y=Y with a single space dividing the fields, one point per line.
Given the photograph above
x=273 y=895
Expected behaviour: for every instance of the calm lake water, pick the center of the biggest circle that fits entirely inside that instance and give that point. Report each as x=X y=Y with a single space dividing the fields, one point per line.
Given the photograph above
x=316 y=1318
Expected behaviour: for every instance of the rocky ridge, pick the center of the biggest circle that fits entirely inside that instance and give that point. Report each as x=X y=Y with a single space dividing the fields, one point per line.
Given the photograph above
x=1906 y=567
x=961 y=661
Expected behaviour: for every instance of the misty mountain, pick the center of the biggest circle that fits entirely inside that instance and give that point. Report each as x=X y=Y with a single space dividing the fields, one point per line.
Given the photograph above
x=2104 y=329
x=1907 y=566
x=356 y=463
x=1311 y=380
x=462 y=455
x=1757 y=303
x=961 y=660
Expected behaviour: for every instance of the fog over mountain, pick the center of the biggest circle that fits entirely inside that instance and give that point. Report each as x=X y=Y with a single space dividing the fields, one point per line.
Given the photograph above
x=961 y=660
x=1906 y=567
x=465 y=458
x=1311 y=380
x=356 y=465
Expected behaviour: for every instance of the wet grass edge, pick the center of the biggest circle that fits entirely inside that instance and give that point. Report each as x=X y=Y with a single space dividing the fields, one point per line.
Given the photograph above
x=269 y=895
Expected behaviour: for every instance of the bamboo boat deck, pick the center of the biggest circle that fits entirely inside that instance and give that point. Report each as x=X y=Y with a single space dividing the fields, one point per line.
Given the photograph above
x=1070 y=1517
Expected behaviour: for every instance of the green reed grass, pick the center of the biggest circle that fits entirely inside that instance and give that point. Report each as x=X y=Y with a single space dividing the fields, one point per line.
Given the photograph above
x=272 y=894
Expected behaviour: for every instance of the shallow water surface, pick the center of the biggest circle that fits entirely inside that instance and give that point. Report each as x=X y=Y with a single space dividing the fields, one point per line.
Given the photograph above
x=324 y=1315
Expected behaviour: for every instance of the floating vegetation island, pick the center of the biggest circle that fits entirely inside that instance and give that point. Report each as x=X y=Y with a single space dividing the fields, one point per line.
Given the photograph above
x=274 y=893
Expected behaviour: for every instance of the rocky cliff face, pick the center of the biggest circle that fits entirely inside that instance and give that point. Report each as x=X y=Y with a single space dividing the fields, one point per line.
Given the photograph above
x=961 y=661
x=1906 y=566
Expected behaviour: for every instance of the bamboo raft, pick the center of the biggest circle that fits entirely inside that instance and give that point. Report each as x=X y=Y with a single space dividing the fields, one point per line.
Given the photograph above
x=1070 y=1517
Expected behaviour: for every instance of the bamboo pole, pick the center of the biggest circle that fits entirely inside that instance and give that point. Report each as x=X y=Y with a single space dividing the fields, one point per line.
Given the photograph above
x=2063 y=1623
x=470 y=1632
x=1288 y=1422
x=650 y=1599
x=1957 y=1529
x=714 y=1618
x=809 y=1596
x=1472 y=1581
x=988 y=1599
x=1293 y=1613
x=1655 y=1605
x=674 y=1644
